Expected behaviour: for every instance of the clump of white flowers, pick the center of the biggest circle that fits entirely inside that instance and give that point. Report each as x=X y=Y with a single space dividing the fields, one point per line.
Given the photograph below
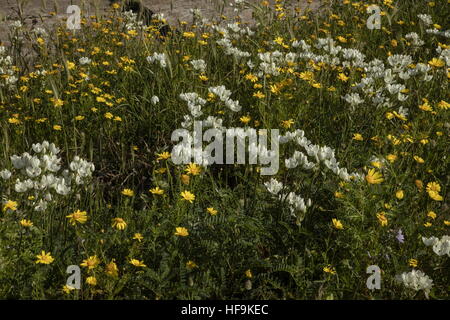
x=395 y=71
x=297 y=204
x=230 y=32
x=85 y=60
x=440 y=246
x=158 y=57
x=415 y=39
x=353 y=99
x=274 y=186
x=271 y=62
x=319 y=154
x=132 y=22
x=8 y=75
x=416 y=280
x=199 y=65
x=224 y=96
x=16 y=24
x=195 y=103
x=39 y=175
x=426 y=19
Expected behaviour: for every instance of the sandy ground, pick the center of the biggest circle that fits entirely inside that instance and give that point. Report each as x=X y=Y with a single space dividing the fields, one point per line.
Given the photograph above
x=37 y=12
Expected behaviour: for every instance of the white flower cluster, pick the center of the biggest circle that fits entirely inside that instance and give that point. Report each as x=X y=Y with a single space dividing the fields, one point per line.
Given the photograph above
x=213 y=122
x=440 y=246
x=415 y=39
x=416 y=280
x=426 y=19
x=353 y=99
x=195 y=103
x=398 y=69
x=16 y=24
x=399 y=62
x=199 y=65
x=295 y=201
x=274 y=186
x=270 y=63
x=232 y=51
x=7 y=74
x=132 y=22
x=224 y=96
x=232 y=31
x=445 y=33
x=85 y=60
x=444 y=54
x=159 y=57
x=38 y=174
x=319 y=154
x=354 y=58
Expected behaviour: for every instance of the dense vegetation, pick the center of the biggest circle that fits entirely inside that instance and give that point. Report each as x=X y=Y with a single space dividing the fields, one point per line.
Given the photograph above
x=364 y=161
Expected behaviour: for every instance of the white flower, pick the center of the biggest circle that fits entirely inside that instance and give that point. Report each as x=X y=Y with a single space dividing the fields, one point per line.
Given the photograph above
x=353 y=98
x=53 y=149
x=41 y=206
x=61 y=188
x=273 y=186
x=37 y=147
x=442 y=247
x=416 y=280
x=291 y=163
x=48 y=197
x=17 y=162
x=5 y=174
x=47 y=163
x=221 y=92
x=154 y=100
x=233 y=105
x=224 y=95
x=296 y=202
x=51 y=163
x=199 y=65
x=160 y=57
x=415 y=39
x=403 y=111
x=426 y=19
x=429 y=241
x=85 y=60
x=399 y=61
x=213 y=122
x=82 y=168
x=395 y=88
x=20 y=186
x=33 y=172
x=16 y=24
x=47 y=181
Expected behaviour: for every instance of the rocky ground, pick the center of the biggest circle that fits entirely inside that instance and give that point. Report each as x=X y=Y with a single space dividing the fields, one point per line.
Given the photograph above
x=38 y=12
